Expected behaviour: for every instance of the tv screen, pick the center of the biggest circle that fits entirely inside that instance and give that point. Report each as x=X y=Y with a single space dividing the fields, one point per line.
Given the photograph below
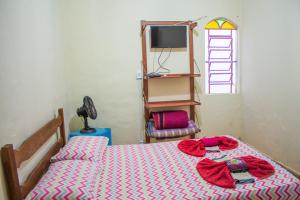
x=168 y=36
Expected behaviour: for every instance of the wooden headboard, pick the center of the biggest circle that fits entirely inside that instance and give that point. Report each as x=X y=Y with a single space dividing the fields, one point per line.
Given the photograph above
x=12 y=158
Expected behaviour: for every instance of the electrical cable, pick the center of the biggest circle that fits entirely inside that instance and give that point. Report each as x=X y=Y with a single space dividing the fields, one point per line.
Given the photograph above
x=161 y=65
x=158 y=59
x=195 y=20
x=153 y=63
x=197 y=66
x=167 y=57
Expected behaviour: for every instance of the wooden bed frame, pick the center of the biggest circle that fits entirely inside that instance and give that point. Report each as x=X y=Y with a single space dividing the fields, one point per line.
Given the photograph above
x=12 y=158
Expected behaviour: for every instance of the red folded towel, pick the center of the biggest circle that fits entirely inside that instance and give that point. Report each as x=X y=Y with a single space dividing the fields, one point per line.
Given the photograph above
x=192 y=147
x=258 y=167
x=170 y=119
x=218 y=173
x=197 y=148
x=227 y=143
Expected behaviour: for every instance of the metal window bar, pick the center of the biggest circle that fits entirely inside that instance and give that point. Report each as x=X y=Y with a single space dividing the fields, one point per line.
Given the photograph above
x=220 y=70
x=210 y=46
x=220 y=58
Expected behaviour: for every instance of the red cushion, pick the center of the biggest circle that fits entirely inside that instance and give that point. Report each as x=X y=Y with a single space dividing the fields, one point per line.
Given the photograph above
x=210 y=142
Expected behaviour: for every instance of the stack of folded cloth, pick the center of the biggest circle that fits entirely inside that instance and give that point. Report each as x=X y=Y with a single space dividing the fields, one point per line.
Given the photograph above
x=170 y=119
x=171 y=124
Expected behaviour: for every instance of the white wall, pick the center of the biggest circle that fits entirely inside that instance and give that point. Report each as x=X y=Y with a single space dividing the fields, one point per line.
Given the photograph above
x=32 y=81
x=103 y=51
x=99 y=43
x=100 y=47
x=270 y=78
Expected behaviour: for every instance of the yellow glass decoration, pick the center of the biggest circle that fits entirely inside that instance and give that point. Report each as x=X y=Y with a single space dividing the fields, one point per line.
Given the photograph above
x=221 y=23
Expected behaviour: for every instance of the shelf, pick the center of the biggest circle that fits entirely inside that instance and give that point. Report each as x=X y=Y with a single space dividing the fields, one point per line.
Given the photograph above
x=173 y=76
x=160 y=104
x=189 y=74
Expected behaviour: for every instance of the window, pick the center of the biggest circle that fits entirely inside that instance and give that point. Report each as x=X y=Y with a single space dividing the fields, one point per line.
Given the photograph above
x=220 y=57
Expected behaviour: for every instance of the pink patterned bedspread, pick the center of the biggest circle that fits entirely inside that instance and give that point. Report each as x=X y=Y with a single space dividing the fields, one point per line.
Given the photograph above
x=161 y=171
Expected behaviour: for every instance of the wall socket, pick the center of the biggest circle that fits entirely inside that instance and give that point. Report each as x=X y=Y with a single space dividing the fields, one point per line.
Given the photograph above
x=139 y=74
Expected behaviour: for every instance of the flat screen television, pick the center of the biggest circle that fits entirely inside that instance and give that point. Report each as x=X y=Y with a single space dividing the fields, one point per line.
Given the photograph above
x=168 y=36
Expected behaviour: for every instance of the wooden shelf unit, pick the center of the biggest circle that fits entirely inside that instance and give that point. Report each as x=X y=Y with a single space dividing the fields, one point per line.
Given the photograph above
x=173 y=76
x=191 y=103
x=176 y=103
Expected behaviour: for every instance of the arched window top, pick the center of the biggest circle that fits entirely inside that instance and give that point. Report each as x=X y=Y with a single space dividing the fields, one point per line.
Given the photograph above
x=221 y=23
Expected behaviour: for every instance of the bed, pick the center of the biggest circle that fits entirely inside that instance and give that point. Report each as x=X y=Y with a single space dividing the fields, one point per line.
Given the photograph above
x=148 y=171
x=161 y=171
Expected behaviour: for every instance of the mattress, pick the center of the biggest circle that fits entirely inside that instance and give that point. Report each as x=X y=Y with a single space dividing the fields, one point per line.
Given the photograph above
x=161 y=171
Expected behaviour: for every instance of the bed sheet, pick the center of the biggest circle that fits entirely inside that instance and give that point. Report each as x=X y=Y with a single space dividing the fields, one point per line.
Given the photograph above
x=161 y=171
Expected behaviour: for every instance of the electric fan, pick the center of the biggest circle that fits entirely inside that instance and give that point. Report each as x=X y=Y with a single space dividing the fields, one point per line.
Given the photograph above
x=87 y=110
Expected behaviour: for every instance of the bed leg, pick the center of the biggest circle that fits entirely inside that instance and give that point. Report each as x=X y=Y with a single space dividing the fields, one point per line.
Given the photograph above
x=147 y=139
x=10 y=167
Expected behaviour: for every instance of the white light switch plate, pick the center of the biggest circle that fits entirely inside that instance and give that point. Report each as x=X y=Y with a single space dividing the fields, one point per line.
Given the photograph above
x=139 y=74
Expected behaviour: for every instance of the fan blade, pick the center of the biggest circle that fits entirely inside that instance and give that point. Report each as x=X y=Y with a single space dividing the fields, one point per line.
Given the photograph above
x=89 y=107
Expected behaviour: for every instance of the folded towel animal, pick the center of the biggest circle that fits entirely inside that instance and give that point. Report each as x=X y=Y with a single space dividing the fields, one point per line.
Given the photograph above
x=197 y=147
x=170 y=119
x=219 y=173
